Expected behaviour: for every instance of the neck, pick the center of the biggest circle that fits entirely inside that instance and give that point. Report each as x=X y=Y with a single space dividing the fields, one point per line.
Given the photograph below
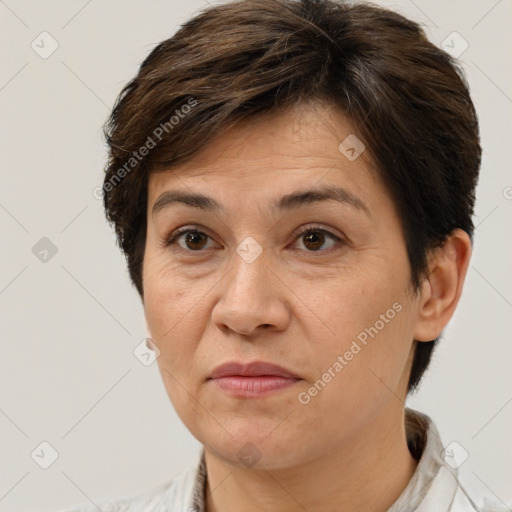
x=369 y=472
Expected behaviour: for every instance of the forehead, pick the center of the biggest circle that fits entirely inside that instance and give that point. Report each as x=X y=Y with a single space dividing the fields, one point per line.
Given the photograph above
x=271 y=155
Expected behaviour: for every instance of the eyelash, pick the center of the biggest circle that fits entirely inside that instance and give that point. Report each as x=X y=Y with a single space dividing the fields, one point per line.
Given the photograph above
x=171 y=239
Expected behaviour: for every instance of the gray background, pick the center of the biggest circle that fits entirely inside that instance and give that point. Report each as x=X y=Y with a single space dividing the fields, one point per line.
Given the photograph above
x=69 y=324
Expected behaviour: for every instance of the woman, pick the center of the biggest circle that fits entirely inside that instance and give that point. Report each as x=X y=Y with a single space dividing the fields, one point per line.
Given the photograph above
x=292 y=183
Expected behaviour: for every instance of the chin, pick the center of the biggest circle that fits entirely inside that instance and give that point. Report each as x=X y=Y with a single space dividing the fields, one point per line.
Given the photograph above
x=257 y=451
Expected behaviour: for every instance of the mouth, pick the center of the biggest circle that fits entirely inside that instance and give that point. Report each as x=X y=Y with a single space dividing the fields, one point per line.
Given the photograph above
x=255 y=379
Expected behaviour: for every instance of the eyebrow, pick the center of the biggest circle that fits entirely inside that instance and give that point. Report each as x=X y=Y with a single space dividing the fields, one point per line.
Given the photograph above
x=288 y=202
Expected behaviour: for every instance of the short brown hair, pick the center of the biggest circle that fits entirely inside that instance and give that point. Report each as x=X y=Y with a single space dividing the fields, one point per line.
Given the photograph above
x=407 y=98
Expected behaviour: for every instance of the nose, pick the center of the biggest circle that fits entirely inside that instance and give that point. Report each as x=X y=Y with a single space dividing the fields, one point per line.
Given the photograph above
x=252 y=299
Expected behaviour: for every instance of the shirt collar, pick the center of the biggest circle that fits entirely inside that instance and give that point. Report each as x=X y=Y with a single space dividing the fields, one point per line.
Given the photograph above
x=425 y=445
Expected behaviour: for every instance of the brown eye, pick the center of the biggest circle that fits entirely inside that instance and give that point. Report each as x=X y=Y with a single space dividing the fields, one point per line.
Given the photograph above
x=195 y=240
x=190 y=240
x=315 y=239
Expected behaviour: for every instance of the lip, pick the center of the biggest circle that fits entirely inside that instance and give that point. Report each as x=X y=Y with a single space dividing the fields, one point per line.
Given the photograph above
x=255 y=379
x=253 y=369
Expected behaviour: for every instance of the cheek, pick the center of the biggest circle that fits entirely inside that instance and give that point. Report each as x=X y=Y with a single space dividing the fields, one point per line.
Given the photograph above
x=172 y=314
x=355 y=379
x=168 y=295
x=347 y=302
x=367 y=322
x=172 y=309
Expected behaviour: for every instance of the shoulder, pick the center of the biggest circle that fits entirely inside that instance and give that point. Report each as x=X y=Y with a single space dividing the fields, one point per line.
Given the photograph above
x=439 y=483
x=174 y=494
x=157 y=500
x=473 y=496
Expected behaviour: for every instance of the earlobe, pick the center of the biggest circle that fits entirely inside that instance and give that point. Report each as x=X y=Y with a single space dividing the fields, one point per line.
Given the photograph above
x=148 y=330
x=448 y=265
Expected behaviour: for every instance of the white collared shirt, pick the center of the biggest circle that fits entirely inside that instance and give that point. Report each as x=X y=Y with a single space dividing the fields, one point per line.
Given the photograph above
x=436 y=485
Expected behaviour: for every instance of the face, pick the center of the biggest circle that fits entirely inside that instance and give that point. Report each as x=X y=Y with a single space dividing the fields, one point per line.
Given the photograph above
x=315 y=283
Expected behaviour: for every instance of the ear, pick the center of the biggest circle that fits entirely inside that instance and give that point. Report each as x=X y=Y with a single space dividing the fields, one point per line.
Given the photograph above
x=148 y=330
x=442 y=287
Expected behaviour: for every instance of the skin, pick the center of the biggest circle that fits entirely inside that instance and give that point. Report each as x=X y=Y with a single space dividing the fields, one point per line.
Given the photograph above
x=297 y=307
